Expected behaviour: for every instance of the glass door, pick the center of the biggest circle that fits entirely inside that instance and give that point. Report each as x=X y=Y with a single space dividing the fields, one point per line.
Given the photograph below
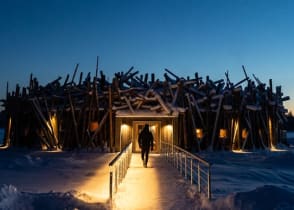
x=154 y=127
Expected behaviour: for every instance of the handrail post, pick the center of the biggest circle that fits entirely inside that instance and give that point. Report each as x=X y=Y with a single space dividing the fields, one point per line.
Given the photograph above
x=116 y=178
x=110 y=184
x=199 y=167
x=118 y=168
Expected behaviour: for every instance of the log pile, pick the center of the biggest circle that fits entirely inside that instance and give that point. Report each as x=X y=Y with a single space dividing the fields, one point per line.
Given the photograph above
x=211 y=114
x=63 y=115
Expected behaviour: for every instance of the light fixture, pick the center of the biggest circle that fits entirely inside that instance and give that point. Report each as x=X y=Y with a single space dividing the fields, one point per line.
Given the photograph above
x=223 y=133
x=199 y=133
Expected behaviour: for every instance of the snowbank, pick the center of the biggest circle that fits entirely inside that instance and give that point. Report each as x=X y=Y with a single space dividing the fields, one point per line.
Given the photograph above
x=262 y=198
x=12 y=199
x=257 y=180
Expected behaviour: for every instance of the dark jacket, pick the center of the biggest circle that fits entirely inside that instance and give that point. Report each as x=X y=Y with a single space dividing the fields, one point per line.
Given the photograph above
x=145 y=139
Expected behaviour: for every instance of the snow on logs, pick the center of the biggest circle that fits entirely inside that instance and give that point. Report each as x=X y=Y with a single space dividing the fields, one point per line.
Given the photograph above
x=242 y=115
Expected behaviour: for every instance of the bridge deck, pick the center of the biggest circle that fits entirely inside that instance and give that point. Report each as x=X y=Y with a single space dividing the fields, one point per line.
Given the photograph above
x=159 y=186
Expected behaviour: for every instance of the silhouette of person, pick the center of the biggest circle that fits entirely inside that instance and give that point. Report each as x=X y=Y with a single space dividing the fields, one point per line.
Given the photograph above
x=145 y=142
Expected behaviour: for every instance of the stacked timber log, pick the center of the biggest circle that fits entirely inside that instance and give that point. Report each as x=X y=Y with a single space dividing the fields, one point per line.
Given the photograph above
x=59 y=115
x=211 y=114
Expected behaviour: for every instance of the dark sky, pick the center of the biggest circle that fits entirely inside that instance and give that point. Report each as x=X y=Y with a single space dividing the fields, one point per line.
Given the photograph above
x=48 y=38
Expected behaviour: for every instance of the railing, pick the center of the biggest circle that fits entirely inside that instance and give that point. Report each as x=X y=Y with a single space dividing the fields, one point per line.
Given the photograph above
x=118 y=168
x=192 y=167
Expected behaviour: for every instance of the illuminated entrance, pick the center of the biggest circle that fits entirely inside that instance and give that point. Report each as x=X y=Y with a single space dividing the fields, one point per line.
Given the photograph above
x=153 y=127
x=128 y=127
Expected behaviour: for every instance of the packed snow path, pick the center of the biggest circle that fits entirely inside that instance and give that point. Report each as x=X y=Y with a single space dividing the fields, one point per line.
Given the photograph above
x=159 y=186
x=80 y=180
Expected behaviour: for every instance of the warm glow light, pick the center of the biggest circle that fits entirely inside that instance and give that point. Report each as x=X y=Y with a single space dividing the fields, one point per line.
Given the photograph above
x=124 y=126
x=124 y=129
x=124 y=134
x=96 y=185
x=136 y=194
x=7 y=134
x=169 y=128
x=93 y=126
x=91 y=194
x=53 y=120
x=240 y=151
x=4 y=147
x=244 y=133
x=199 y=133
x=236 y=128
x=223 y=133
x=48 y=126
x=270 y=132
x=168 y=132
x=52 y=151
x=274 y=149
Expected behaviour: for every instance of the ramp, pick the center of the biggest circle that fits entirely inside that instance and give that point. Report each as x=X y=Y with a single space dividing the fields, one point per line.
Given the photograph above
x=159 y=186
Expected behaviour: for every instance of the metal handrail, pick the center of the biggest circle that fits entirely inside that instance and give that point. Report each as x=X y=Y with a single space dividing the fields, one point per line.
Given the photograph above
x=118 y=168
x=191 y=166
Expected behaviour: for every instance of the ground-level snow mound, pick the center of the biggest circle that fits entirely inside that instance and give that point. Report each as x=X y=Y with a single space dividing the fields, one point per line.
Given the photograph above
x=60 y=201
x=266 y=197
x=262 y=198
x=12 y=199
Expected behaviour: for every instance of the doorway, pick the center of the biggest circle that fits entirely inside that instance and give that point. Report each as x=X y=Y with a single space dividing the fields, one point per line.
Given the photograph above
x=154 y=127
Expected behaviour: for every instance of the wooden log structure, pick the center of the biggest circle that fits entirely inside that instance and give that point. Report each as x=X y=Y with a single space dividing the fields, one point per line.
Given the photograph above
x=60 y=114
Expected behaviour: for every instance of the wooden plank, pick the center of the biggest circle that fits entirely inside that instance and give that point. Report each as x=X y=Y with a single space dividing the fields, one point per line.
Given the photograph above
x=76 y=133
x=171 y=73
x=128 y=103
x=40 y=117
x=198 y=112
x=74 y=74
x=101 y=124
x=193 y=120
x=179 y=89
x=51 y=130
x=216 y=123
x=161 y=102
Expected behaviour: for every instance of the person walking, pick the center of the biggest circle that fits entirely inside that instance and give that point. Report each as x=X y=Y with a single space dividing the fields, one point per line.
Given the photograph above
x=145 y=142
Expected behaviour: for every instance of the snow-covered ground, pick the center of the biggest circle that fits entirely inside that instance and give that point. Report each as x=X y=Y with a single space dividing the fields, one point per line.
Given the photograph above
x=252 y=180
x=54 y=180
x=79 y=180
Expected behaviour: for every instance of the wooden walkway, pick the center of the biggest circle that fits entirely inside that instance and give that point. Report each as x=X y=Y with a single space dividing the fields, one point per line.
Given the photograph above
x=159 y=186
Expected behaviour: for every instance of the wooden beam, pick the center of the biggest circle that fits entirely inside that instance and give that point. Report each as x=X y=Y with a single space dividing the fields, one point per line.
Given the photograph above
x=216 y=122
x=76 y=133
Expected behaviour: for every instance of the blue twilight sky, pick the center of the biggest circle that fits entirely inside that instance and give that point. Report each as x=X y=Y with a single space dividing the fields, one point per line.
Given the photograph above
x=49 y=37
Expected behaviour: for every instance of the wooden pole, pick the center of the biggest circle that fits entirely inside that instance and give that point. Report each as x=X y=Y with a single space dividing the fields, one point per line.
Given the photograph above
x=74 y=74
x=7 y=131
x=193 y=121
x=216 y=122
x=74 y=120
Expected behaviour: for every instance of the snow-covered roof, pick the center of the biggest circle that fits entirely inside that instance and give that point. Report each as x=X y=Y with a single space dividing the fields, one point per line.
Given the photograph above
x=144 y=113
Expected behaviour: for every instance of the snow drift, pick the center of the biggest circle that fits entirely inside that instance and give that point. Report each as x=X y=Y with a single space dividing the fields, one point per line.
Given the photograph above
x=255 y=180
